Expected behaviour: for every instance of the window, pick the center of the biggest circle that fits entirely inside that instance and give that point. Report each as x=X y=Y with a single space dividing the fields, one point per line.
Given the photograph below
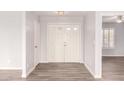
x=108 y=38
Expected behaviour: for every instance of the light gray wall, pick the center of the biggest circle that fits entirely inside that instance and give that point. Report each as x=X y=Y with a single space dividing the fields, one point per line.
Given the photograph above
x=11 y=28
x=89 y=42
x=29 y=41
x=92 y=43
x=119 y=40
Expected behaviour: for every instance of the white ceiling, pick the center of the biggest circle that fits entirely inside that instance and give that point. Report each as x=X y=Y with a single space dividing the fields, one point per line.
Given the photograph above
x=110 y=19
x=66 y=13
x=74 y=13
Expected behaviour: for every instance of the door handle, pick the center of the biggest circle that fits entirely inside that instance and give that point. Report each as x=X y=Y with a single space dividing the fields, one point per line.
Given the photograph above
x=65 y=43
x=35 y=46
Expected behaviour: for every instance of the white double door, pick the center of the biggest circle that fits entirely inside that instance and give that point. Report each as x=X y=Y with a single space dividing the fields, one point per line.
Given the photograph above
x=63 y=43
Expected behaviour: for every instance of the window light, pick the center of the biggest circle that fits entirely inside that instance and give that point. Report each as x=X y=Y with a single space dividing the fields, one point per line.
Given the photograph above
x=75 y=28
x=68 y=28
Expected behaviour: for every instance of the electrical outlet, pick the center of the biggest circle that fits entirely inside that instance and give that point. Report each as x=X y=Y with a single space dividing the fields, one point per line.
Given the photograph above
x=9 y=61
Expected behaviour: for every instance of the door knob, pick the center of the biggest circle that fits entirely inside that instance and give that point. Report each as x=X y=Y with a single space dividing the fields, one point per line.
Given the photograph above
x=65 y=43
x=35 y=46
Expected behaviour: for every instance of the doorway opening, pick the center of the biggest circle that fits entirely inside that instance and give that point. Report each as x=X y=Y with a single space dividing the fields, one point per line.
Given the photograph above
x=63 y=43
x=113 y=47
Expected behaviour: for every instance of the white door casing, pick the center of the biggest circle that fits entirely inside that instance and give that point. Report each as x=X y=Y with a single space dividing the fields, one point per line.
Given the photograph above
x=63 y=43
x=36 y=42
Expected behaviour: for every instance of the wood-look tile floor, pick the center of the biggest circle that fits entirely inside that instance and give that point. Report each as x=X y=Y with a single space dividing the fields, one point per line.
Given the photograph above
x=60 y=72
x=10 y=75
x=113 y=70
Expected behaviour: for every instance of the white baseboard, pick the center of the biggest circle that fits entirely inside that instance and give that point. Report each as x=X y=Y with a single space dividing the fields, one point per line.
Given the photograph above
x=25 y=75
x=113 y=55
x=88 y=68
x=93 y=74
x=58 y=62
x=10 y=68
x=82 y=61
x=43 y=61
x=32 y=69
x=97 y=76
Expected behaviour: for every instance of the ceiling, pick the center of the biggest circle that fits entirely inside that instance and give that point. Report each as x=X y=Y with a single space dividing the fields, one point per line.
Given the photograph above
x=66 y=13
x=110 y=19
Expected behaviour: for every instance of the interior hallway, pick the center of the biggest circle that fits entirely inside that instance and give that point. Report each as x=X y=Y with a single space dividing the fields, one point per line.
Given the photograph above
x=60 y=72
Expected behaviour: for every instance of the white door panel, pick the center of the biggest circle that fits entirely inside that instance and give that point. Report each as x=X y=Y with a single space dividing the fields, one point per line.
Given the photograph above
x=36 y=42
x=63 y=43
x=55 y=52
x=72 y=45
x=51 y=43
x=59 y=48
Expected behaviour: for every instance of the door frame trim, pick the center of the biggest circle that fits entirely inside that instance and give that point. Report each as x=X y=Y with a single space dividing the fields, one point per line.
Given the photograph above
x=74 y=23
x=98 y=40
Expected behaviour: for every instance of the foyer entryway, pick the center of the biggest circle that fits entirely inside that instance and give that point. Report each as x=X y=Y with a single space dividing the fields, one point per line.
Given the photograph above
x=63 y=43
